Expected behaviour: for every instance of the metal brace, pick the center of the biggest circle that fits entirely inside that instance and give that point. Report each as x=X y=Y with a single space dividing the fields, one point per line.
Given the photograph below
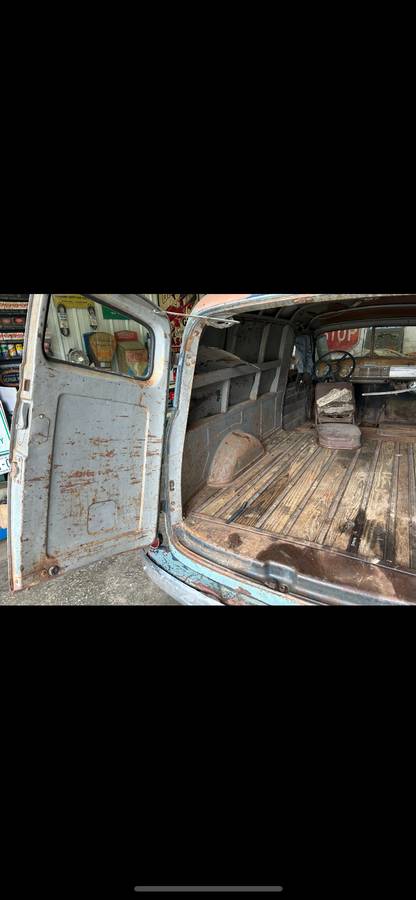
x=214 y=321
x=411 y=389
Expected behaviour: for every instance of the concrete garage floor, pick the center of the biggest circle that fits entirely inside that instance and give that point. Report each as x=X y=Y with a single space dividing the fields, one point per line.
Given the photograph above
x=118 y=581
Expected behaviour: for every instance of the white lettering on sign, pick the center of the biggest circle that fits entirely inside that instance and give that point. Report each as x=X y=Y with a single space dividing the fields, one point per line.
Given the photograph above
x=343 y=339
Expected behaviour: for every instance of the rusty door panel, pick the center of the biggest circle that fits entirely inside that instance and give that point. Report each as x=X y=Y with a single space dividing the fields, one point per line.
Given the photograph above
x=96 y=493
x=86 y=454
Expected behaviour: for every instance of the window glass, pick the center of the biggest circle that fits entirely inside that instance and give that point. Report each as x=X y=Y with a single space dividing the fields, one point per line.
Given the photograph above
x=86 y=333
x=356 y=341
x=392 y=341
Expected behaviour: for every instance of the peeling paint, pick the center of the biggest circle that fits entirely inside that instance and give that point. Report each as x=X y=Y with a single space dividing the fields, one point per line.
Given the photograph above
x=103 y=447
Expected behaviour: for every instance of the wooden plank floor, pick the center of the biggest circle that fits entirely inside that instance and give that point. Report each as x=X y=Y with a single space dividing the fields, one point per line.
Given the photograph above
x=360 y=502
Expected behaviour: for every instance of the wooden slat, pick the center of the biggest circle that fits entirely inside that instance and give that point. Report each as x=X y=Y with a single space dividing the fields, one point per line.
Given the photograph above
x=373 y=541
x=227 y=493
x=262 y=493
x=390 y=544
x=262 y=500
x=276 y=437
x=294 y=467
x=397 y=433
x=363 y=503
x=259 y=476
x=342 y=527
x=412 y=505
x=305 y=506
x=321 y=538
x=282 y=509
x=402 y=536
x=310 y=521
x=360 y=521
x=263 y=497
x=200 y=499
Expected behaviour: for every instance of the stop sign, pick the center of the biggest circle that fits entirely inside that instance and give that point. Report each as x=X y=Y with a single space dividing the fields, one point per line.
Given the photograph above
x=343 y=340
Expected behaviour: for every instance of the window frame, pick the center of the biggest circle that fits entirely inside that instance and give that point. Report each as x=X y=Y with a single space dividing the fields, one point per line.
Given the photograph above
x=371 y=329
x=139 y=378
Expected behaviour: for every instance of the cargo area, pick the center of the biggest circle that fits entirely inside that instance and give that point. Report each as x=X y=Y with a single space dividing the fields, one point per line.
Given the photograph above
x=262 y=496
x=361 y=502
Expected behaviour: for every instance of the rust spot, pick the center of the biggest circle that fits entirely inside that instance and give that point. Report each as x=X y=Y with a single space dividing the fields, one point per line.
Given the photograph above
x=206 y=590
x=73 y=488
x=41 y=570
x=234 y=541
x=357 y=531
x=234 y=601
x=340 y=570
x=196 y=333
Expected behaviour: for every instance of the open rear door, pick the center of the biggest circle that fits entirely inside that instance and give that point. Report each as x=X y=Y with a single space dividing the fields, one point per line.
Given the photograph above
x=87 y=437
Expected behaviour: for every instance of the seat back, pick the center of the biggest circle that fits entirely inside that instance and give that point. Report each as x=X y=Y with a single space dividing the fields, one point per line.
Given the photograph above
x=335 y=402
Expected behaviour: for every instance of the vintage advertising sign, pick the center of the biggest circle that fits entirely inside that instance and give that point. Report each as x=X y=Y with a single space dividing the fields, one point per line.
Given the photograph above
x=77 y=301
x=181 y=304
x=113 y=314
x=11 y=303
x=4 y=442
x=72 y=301
x=10 y=377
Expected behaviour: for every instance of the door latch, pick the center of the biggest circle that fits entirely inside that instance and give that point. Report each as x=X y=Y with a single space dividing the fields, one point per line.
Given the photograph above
x=23 y=421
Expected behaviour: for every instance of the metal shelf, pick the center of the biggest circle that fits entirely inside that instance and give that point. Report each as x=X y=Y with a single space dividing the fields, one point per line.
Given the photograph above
x=9 y=329
x=12 y=306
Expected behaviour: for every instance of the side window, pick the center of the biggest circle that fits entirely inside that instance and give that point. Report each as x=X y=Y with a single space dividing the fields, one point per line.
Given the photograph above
x=86 y=333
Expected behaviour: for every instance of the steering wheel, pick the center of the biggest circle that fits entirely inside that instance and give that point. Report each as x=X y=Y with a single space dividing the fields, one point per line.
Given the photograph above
x=332 y=367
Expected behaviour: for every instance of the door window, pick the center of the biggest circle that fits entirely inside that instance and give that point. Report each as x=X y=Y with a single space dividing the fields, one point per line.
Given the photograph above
x=83 y=332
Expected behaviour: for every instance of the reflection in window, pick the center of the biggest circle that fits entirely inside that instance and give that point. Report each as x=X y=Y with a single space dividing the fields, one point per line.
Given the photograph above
x=86 y=333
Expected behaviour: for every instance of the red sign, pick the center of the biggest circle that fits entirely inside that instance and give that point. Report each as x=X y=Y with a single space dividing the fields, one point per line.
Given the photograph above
x=343 y=340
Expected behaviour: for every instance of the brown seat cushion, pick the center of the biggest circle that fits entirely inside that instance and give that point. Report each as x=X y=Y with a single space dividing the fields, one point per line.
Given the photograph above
x=339 y=437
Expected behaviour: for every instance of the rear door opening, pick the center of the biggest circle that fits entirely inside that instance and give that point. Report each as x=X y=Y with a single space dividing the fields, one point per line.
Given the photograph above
x=263 y=495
